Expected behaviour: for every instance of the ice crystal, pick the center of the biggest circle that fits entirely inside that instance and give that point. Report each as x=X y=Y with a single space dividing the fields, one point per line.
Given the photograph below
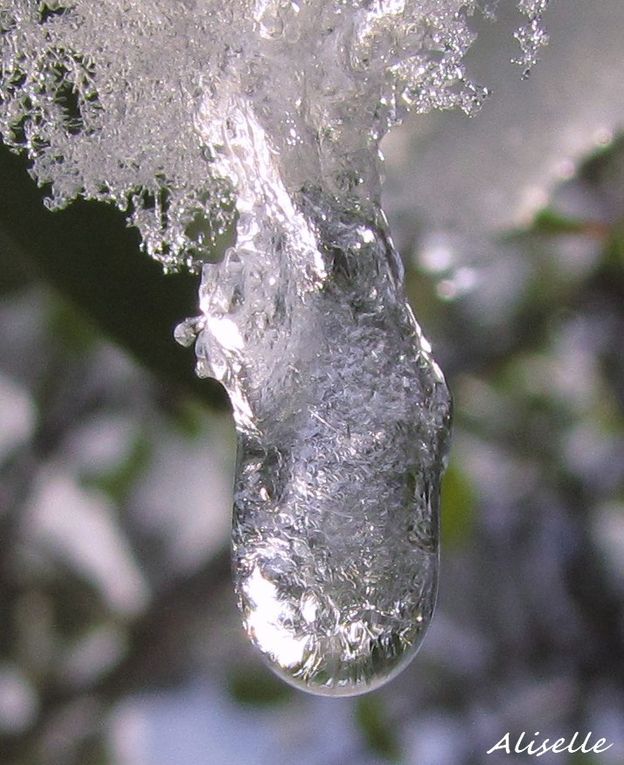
x=267 y=115
x=531 y=36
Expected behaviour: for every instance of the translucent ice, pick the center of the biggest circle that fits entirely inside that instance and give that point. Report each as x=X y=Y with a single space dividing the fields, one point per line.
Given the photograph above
x=267 y=115
x=105 y=96
x=342 y=418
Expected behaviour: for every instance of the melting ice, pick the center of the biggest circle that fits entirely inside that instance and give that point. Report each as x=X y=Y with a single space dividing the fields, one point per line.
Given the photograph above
x=266 y=116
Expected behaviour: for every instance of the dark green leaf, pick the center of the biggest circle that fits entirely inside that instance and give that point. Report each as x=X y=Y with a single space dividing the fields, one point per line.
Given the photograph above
x=93 y=259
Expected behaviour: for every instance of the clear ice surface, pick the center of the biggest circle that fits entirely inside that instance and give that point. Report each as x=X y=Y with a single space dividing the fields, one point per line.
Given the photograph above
x=266 y=116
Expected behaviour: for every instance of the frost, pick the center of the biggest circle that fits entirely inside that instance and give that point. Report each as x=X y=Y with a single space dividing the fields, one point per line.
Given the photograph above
x=266 y=115
x=106 y=97
x=531 y=36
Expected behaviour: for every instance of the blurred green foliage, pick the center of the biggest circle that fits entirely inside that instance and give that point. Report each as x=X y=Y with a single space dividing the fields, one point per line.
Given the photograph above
x=458 y=507
x=377 y=727
x=256 y=686
x=118 y=482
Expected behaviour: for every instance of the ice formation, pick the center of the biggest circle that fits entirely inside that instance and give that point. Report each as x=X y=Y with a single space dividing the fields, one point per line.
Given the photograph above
x=266 y=115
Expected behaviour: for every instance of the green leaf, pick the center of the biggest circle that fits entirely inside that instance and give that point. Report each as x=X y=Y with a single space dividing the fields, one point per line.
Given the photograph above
x=93 y=259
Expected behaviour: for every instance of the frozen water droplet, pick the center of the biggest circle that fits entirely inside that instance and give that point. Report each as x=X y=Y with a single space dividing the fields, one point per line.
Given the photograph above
x=186 y=332
x=342 y=419
x=336 y=495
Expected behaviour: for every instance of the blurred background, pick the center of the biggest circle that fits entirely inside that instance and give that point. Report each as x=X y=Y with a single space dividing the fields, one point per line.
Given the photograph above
x=120 y=643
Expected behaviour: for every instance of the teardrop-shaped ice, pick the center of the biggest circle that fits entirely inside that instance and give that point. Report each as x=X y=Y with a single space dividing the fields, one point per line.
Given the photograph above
x=336 y=499
x=342 y=418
